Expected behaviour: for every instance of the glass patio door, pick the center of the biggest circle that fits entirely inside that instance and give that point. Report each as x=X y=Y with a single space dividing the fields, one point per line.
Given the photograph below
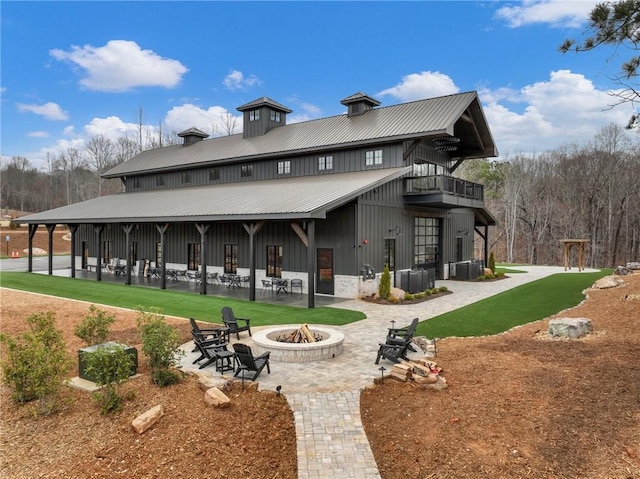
x=325 y=271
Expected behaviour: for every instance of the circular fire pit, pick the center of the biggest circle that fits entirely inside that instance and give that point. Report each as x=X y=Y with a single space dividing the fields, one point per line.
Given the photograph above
x=329 y=347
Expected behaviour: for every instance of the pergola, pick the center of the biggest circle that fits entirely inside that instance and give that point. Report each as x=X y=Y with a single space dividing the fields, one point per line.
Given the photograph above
x=567 y=245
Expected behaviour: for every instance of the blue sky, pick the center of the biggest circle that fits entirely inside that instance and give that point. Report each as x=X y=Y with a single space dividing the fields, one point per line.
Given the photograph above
x=72 y=70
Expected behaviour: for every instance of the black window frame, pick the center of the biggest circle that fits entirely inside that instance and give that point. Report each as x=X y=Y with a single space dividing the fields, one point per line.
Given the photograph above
x=246 y=171
x=231 y=258
x=273 y=267
x=193 y=256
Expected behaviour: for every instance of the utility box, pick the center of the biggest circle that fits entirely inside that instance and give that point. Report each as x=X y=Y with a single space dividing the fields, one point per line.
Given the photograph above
x=417 y=281
x=84 y=352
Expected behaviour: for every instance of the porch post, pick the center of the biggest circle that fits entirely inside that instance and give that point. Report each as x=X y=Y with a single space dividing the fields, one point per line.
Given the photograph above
x=50 y=229
x=252 y=229
x=311 y=263
x=162 y=229
x=486 y=245
x=98 y=229
x=202 y=229
x=32 y=232
x=73 y=229
x=127 y=234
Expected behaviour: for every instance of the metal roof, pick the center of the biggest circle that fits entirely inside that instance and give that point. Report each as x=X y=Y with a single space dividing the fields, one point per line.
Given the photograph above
x=282 y=198
x=414 y=120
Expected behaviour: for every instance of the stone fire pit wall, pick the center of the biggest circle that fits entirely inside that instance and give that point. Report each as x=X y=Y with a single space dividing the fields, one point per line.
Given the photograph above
x=265 y=340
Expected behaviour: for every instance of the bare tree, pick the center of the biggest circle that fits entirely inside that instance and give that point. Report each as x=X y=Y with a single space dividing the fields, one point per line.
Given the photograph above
x=100 y=153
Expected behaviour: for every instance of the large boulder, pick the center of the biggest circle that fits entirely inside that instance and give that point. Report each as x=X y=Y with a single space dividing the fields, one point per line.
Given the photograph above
x=569 y=327
x=608 y=282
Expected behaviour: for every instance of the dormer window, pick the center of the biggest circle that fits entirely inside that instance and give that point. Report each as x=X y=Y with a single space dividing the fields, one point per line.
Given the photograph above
x=275 y=115
x=325 y=163
x=254 y=115
x=186 y=177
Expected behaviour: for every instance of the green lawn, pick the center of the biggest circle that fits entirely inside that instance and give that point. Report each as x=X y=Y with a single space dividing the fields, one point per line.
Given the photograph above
x=205 y=308
x=521 y=305
x=524 y=304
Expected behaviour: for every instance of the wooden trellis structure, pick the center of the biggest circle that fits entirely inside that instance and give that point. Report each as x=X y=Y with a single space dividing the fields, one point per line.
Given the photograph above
x=567 y=245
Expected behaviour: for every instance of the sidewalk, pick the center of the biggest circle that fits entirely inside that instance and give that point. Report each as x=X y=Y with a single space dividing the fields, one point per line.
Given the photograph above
x=326 y=402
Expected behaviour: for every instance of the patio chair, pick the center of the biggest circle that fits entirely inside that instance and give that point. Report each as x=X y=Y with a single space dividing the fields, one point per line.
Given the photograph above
x=398 y=335
x=246 y=361
x=393 y=352
x=213 y=351
x=235 y=325
x=208 y=333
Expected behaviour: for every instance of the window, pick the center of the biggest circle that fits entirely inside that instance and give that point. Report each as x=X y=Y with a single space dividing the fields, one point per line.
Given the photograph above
x=193 y=256
x=254 y=115
x=284 y=167
x=230 y=258
x=107 y=252
x=325 y=163
x=275 y=115
x=186 y=177
x=274 y=261
x=158 y=254
x=426 y=243
x=133 y=254
x=159 y=180
x=373 y=157
x=135 y=182
x=214 y=174
x=246 y=171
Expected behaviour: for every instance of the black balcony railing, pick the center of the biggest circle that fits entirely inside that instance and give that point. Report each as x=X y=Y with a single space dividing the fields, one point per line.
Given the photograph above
x=444 y=184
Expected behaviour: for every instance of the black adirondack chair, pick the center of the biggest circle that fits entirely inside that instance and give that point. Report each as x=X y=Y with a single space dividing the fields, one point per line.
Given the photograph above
x=246 y=361
x=393 y=352
x=235 y=325
x=213 y=351
x=208 y=333
x=398 y=335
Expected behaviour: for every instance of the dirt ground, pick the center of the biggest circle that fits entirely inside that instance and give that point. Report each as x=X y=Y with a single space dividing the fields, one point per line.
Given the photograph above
x=19 y=240
x=518 y=405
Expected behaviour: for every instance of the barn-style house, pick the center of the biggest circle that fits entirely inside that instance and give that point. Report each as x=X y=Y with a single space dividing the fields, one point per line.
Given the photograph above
x=326 y=202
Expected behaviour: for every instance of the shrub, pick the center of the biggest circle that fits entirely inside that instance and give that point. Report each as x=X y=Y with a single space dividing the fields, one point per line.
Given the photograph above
x=94 y=328
x=110 y=366
x=408 y=297
x=36 y=362
x=442 y=289
x=428 y=292
x=492 y=263
x=160 y=343
x=384 y=288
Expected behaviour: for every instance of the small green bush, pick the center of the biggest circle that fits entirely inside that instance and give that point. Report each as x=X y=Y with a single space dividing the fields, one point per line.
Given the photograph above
x=35 y=363
x=160 y=343
x=408 y=297
x=94 y=328
x=384 y=288
x=492 y=263
x=110 y=366
x=428 y=292
x=442 y=289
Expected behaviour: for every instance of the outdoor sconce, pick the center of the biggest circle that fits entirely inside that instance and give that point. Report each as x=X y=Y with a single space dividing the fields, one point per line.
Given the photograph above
x=395 y=230
x=463 y=232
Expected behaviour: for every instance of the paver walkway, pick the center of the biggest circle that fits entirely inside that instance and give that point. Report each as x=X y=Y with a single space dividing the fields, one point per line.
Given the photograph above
x=331 y=442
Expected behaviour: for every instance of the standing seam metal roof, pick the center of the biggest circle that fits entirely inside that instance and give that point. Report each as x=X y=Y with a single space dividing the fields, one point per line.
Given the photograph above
x=283 y=198
x=419 y=119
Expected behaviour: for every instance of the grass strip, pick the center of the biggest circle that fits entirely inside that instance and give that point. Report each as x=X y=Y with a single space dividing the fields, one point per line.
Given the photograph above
x=524 y=304
x=173 y=303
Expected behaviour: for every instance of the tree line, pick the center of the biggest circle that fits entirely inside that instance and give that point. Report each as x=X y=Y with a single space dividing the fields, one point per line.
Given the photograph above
x=589 y=191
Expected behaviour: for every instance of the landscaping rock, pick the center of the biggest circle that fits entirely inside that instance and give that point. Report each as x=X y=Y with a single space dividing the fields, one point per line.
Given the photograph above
x=147 y=419
x=570 y=327
x=608 y=282
x=215 y=397
x=396 y=293
x=206 y=382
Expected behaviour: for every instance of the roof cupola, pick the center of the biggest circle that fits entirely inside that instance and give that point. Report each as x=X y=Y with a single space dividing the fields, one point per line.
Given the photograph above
x=192 y=135
x=359 y=103
x=262 y=115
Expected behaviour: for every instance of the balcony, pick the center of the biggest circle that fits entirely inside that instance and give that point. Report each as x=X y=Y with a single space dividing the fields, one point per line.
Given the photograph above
x=440 y=191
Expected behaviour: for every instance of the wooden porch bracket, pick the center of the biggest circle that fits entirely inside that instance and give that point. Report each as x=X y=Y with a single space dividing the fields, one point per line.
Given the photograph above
x=202 y=229
x=252 y=229
x=127 y=234
x=300 y=232
x=32 y=232
x=162 y=229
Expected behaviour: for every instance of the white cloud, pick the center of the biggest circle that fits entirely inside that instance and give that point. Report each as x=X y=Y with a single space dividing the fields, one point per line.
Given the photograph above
x=69 y=130
x=111 y=127
x=236 y=80
x=38 y=134
x=565 y=109
x=50 y=110
x=558 y=13
x=418 y=86
x=186 y=116
x=121 y=65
